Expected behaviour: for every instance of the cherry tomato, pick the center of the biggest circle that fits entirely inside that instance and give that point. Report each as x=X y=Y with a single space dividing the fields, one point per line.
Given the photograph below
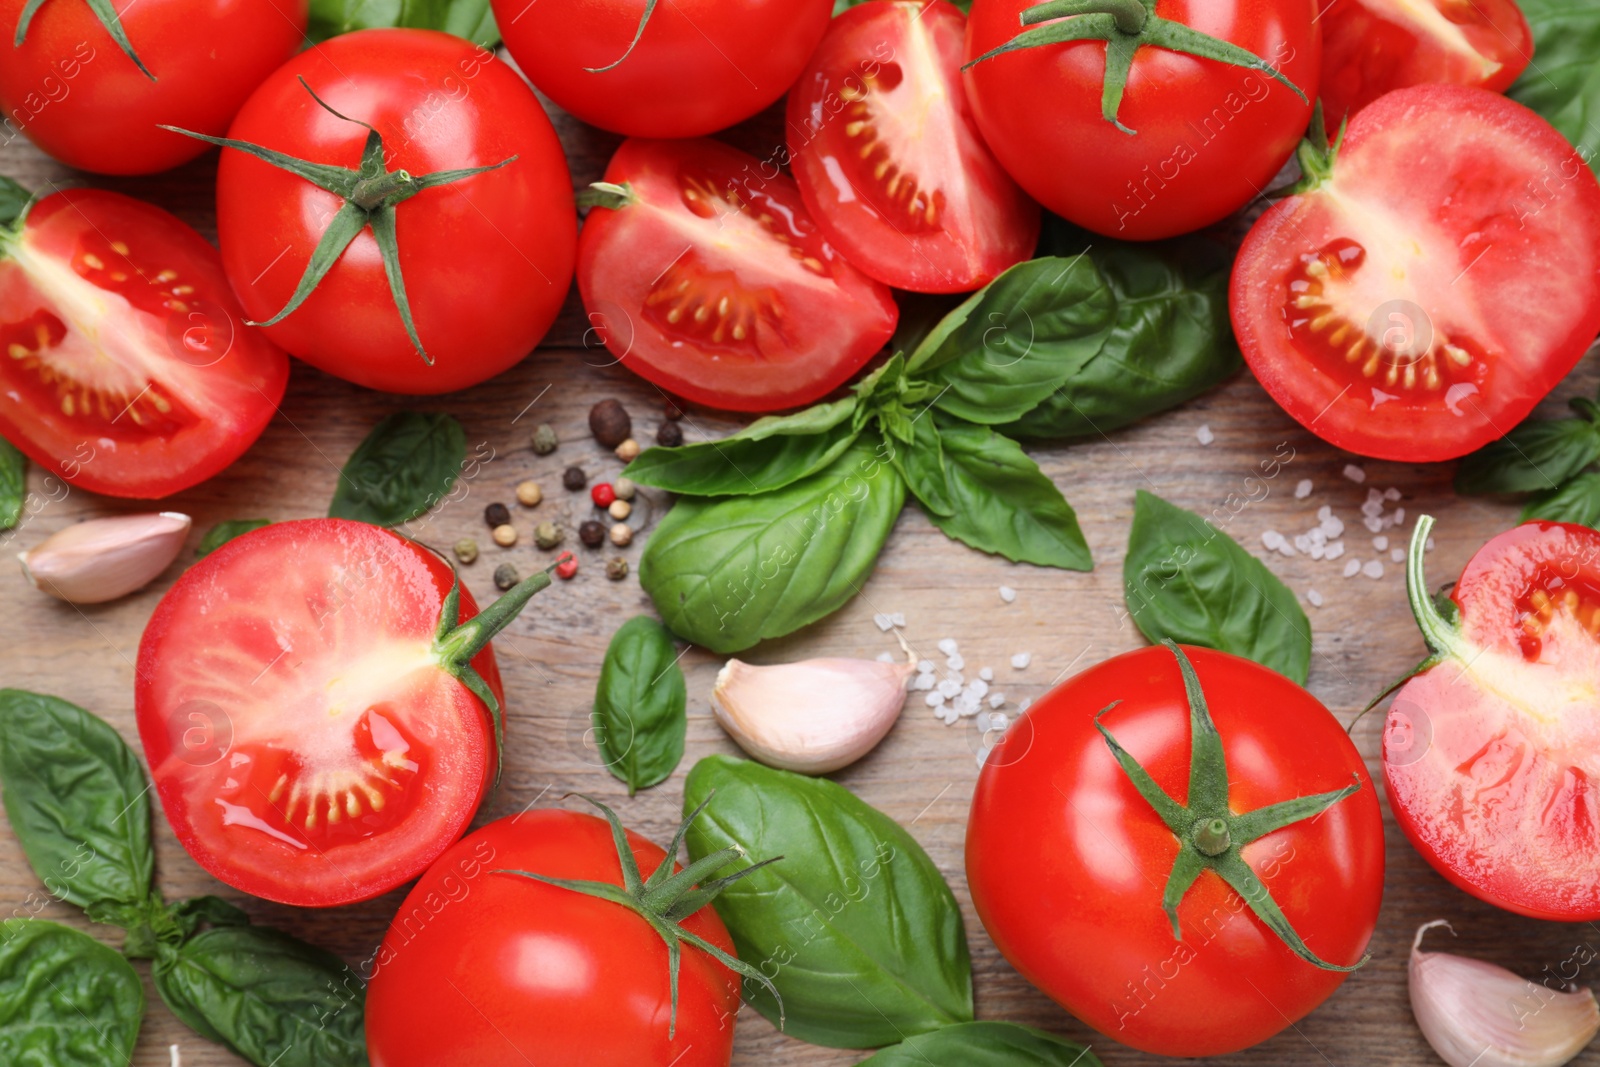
x=1491 y=756
x=1202 y=138
x=889 y=160
x=1068 y=861
x=304 y=730
x=697 y=66
x=486 y=261
x=1370 y=47
x=710 y=279
x=128 y=368
x=483 y=967
x=73 y=90
x=1401 y=308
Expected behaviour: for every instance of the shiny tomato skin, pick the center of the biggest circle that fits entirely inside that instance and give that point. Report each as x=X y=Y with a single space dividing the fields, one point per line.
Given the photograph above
x=1210 y=137
x=700 y=65
x=487 y=261
x=482 y=968
x=1492 y=758
x=942 y=217
x=78 y=96
x=713 y=282
x=1447 y=210
x=129 y=369
x=1067 y=862
x=290 y=672
x=1371 y=47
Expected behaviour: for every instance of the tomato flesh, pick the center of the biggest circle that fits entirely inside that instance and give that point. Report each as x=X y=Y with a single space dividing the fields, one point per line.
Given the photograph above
x=1402 y=309
x=1492 y=761
x=126 y=367
x=889 y=159
x=305 y=741
x=713 y=282
x=1371 y=47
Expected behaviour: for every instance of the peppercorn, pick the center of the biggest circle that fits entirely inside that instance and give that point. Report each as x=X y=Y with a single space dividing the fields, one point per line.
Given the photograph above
x=529 y=494
x=620 y=509
x=624 y=488
x=547 y=535
x=616 y=568
x=670 y=435
x=609 y=422
x=574 y=478
x=621 y=534
x=496 y=514
x=506 y=576
x=544 y=439
x=505 y=536
x=467 y=549
x=672 y=411
x=568 y=566
x=602 y=494
x=592 y=533
x=628 y=451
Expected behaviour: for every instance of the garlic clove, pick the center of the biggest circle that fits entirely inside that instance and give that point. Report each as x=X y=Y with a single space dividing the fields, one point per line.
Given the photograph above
x=1475 y=1014
x=813 y=716
x=102 y=559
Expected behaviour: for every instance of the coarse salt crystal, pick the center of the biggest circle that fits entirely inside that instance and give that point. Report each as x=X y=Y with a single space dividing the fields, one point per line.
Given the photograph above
x=1332 y=526
x=924 y=666
x=924 y=681
x=1380 y=543
x=1355 y=473
x=1204 y=435
x=1007 y=593
x=884 y=622
x=1372 y=523
x=999 y=722
x=956 y=662
x=1302 y=542
x=1399 y=516
x=1372 y=508
x=948 y=646
x=949 y=688
x=934 y=699
x=1391 y=493
x=956 y=677
x=1318 y=551
x=982 y=721
x=1021 y=660
x=1024 y=704
x=1373 y=568
x=1352 y=568
x=1374 y=496
x=1302 y=489
x=1271 y=539
x=997 y=700
x=1335 y=550
x=987 y=674
x=1397 y=554
x=1324 y=512
x=978 y=689
x=1315 y=598
x=1428 y=545
x=885 y=657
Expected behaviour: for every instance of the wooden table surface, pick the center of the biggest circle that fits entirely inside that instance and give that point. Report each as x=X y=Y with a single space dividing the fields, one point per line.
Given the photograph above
x=923 y=774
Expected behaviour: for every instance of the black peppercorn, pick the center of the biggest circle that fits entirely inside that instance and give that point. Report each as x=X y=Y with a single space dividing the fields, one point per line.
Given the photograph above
x=670 y=435
x=609 y=422
x=574 y=478
x=496 y=514
x=592 y=533
x=672 y=411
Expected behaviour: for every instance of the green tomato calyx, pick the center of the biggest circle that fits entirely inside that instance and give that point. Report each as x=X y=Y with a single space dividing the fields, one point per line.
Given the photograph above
x=108 y=18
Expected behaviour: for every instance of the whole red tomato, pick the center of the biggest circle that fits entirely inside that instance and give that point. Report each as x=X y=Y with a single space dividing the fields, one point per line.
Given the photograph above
x=128 y=368
x=488 y=965
x=71 y=86
x=484 y=260
x=1069 y=859
x=683 y=68
x=1193 y=139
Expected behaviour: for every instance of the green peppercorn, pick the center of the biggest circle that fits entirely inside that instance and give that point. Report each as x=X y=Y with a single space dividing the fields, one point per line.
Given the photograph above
x=466 y=550
x=544 y=439
x=547 y=535
x=616 y=568
x=506 y=576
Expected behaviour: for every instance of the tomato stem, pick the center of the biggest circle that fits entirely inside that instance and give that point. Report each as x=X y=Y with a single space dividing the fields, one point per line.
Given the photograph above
x=1441 y=635
x=644 y=19
x=104 y=12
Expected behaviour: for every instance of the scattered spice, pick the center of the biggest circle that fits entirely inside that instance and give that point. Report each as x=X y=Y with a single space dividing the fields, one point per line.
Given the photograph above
x=621 y=534
x=624 y=488
x=567 y=566
x=616 y=568
x=609 y=422
x=602 y=494
x=505 y=535
x=496 y=514
x=544 y=439
x=466 y=550
x=672 y=411
x=547 y=535
x=620 y=509
x=574 y=478
x=670 y=435
x=628 y=451
x=529 y=494
x=506 y=576
x=592 y=533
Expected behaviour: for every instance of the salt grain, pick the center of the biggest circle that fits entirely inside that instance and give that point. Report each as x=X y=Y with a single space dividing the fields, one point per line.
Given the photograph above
x=1024 y=704
x=1335 y=550
x=978 y=689
x=1391 y=493
x=982 y=721
x=956 y=662
x=884 y=622
x=949 y=687
x=1021 y=660
x=1315 y=598
x=1271 y=540
x=997 y=700
x=1355 y=473
x=1398 y=555
x=1372 y=523
x=1204 y=435
x=1351 y=568
x=1428 y=546
x=1007 y=593
x=987 y=674
x=1302 y=489
x=1380 y=543
x=1399 y=516
x=924 y=666
x=934 y=699
x=924 y=681
x=885 y=657
x=1373 y=568
x=948 y=646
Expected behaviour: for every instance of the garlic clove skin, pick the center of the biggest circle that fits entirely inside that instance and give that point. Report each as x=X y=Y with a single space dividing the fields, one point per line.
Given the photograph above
x=102 y=559
x=1476 y=1014
x=813 y=716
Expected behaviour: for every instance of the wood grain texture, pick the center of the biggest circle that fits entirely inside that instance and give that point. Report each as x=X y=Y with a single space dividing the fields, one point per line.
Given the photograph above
x=924 y=772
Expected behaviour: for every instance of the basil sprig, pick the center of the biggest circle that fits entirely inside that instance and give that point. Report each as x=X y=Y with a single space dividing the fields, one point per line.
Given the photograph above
x=639 y=705
x=863 y=941
x=1187 y=581
x=13 y=484
x=985 y=1044
x=472 y=19
x=226 y=531
x=69 y=1001
x=78 y=801
x=1550 y=458
x=1563 y=82
x=405 y=466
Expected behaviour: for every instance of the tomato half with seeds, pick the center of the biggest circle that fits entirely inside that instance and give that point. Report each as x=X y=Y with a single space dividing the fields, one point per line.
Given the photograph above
x=1371 y=47
x=1401 y=307
x=319 y=716
x=889 y=160
x=126 y=367
x=78 y=94
x=705 y=274
x=1491 y=752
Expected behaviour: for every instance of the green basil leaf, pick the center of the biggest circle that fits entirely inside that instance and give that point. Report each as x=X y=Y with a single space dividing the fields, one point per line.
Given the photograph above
x=1171 y=341
x=14 y=203
x=768 y=454
x=226 y=531
x=1563 y=81
x=1578 y=502
x=856 y=926
x=639 y=705
x=730 y=572
x=66 y=1000
x=472 y=19
x=406 y=465
x=1537 y=456
x=77 y=799
x=1187 y=580
x=269 y=997
x=1017 y=339
x=984 y=1044
x=13 y=484
x=982 y=489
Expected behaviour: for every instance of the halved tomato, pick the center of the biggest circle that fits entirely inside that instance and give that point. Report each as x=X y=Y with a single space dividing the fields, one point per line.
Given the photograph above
x=1403 y=306
x=703 y=272
x=316 y=735
x=889 y=159
x=127 y=367
x=1371 y=47
x=1491 y=754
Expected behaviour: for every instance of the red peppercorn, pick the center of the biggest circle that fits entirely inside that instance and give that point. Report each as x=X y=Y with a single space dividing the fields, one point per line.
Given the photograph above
x=567 y=566
x=602 y=494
